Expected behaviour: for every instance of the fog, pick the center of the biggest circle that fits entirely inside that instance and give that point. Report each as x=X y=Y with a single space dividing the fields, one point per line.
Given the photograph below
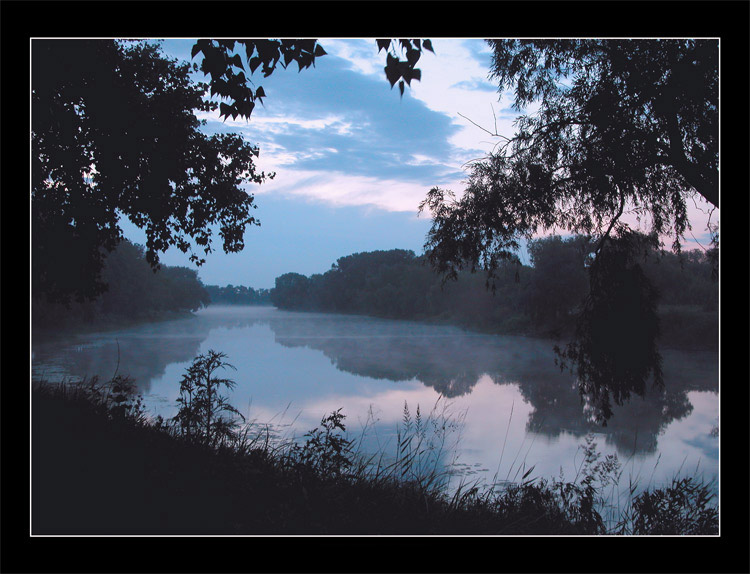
x=509 y=406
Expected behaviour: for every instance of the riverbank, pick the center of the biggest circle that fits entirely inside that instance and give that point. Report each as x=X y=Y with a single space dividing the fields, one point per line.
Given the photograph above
x=67 y=329
x=101 y=467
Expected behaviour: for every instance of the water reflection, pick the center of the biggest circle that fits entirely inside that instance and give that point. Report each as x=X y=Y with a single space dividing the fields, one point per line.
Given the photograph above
x=452 y=362
x=142 y=353
x=445 y=359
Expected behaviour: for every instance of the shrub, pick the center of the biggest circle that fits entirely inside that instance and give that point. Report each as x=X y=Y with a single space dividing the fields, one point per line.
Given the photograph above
x=200 y=414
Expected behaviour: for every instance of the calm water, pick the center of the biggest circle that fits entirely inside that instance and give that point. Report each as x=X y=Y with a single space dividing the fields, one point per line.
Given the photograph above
x=506 y=405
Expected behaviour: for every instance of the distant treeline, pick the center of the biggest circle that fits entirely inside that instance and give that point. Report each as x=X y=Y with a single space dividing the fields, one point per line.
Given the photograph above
x=541 y=298
x=134 y=293
x=238 y=295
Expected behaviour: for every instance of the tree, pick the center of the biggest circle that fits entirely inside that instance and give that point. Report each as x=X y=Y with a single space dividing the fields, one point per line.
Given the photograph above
x=134 y=292
x=200 y=414
x=558 y=281
x=223 y=61
x=621 y=126
x=291 y=291
x=114 y=133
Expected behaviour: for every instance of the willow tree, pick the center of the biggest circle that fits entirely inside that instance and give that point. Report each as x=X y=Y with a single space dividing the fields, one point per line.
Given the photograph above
x=620 y=126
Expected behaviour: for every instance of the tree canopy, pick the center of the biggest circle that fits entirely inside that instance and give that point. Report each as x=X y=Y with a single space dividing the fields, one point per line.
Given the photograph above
x=134 y=292
x=617 y=126
x=115 y=134
x=227 y=62
x=621 y=125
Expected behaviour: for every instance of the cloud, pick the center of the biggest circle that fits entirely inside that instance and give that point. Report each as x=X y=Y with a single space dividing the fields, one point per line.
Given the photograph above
x=474 y=85
x=340 y=134
x=344 y=189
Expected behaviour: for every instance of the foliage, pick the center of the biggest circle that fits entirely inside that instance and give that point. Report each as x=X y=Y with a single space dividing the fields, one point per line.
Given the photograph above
x=200 y=416
x=197 y=477
x=156 y=480
x=326 y=450
x=534 y=506
x=684 y=507
x=228 y=61
x=397 y=70
x=115 y=134
x=238 y=295
x=614 y=351
x=543 y=298
x=117 y=399
x=227 y=70
x=622 y=125
x=637 y=119
x=558 y=282
x=134 y=292
x=605 y=306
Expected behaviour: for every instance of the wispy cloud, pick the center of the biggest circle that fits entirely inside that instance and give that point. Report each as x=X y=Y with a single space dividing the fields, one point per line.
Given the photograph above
x=338 y=134
x=343 y=189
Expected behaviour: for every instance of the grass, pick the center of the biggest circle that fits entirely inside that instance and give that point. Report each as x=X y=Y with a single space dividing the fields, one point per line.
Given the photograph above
x=101 y=466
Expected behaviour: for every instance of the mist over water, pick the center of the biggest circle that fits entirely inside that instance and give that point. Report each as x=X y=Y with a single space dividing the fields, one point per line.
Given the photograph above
x=508 y=406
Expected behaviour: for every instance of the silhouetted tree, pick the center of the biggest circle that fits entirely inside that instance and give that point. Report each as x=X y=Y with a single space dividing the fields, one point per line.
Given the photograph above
x=115 y=133
x=621 y=125
x=134 y=292
x=227 y=62
x=558 y=281
x=291 y=291
x=238 y=295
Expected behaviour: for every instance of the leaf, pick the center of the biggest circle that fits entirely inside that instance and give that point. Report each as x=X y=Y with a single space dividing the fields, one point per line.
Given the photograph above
x=412 y=56
x=383 y=44
x=391 y=69
x=427 y=45
x=319 y=51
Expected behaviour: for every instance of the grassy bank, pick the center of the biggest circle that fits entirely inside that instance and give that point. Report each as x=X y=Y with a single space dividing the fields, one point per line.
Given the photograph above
x=100 y=466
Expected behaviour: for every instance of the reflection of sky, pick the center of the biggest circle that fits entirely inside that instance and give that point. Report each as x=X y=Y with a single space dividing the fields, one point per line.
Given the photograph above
x=295 y=385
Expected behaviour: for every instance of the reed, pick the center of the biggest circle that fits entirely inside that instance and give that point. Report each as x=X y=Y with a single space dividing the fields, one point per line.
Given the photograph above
x=138 y=475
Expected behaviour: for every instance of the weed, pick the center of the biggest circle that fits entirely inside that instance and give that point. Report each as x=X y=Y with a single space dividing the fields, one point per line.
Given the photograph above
x=200 y=413
x=201 y=472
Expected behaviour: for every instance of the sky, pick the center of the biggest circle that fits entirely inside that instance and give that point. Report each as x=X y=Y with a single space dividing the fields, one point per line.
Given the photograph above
x=352 y=158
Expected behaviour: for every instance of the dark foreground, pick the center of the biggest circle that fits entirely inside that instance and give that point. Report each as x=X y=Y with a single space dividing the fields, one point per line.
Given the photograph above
x=98 y=468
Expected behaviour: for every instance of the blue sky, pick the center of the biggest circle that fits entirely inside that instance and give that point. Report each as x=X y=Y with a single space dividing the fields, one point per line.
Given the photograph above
x=353 y=160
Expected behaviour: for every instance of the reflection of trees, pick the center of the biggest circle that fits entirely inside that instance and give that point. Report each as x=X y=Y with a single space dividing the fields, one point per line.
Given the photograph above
x=452 y=362
x=141 y=353
x=444 y=358
x=633 y=427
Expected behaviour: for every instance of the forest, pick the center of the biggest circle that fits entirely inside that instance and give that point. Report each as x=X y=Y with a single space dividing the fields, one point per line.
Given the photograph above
x=238 y=295
x=134 y=292
x=541 y=298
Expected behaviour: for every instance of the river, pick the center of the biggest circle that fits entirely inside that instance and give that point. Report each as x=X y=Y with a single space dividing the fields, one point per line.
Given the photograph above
x=492 y=407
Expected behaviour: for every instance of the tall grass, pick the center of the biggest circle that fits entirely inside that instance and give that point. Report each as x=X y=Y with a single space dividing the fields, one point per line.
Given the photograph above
x=159 y=479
